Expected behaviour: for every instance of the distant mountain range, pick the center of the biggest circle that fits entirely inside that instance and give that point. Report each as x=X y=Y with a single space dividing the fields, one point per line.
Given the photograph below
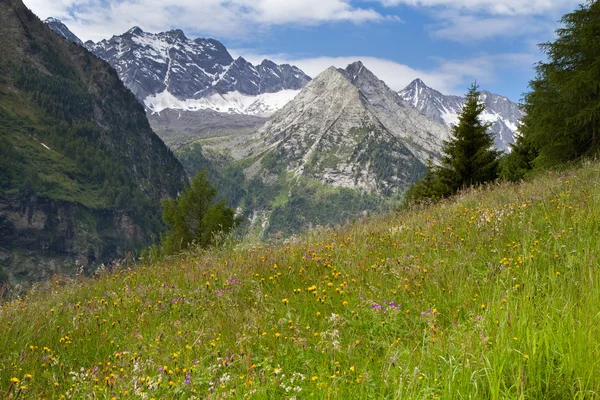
x=500 y=112
x=167 y=71
x=287 y=150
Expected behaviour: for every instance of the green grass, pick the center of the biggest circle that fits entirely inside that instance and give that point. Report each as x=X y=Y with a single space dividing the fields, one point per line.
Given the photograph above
x=496 y=295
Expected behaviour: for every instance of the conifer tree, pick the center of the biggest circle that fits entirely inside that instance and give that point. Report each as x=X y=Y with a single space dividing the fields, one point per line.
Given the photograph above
x=194 y=217
x=468 y=157
x=562 y=119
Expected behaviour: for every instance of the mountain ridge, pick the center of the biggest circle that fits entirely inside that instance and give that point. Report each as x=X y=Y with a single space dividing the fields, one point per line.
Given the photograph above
x=503 y=114
x=168 y=63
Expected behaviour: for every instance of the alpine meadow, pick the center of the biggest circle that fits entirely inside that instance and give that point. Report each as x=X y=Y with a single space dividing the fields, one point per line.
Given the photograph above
x=180 y=222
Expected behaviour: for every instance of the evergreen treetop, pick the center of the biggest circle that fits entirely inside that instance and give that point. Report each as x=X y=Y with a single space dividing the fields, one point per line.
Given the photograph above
x=468 y=157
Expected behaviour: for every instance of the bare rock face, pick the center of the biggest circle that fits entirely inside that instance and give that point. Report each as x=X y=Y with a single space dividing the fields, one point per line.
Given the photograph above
x=503 y=115
x=169 y=71
x=348 y=129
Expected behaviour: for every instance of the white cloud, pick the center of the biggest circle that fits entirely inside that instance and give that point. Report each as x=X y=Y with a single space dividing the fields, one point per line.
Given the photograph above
x=468 y=28
x=447 y=76
x=493 y=7
x=98 y=19
x=475 y=20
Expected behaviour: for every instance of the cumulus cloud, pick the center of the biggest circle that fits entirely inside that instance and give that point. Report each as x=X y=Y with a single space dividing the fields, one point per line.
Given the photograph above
x=98 y=19
x=447 y=76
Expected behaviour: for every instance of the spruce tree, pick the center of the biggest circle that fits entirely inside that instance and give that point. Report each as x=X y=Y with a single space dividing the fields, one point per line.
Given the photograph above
x=468 y=157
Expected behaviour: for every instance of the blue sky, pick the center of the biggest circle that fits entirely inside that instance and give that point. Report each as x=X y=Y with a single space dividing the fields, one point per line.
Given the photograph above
x=447 y=43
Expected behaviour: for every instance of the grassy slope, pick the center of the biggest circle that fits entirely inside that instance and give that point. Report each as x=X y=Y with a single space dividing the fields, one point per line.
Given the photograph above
x=495 y=295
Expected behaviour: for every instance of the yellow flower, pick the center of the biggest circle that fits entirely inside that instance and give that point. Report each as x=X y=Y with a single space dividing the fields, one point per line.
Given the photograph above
x=277 y=334
x=15 y=380
x=357 y=342
x=314 y=378
x=284 y=301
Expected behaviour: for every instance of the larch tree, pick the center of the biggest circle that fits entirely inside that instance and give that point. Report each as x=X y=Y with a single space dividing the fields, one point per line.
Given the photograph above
x=562 y=120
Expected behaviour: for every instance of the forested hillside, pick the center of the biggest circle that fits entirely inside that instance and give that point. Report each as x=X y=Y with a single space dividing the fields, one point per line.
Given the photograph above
x=82 y=172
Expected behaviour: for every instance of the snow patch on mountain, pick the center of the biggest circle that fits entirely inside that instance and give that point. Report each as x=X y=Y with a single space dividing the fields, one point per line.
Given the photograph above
x=503 y=115
x=233 y=102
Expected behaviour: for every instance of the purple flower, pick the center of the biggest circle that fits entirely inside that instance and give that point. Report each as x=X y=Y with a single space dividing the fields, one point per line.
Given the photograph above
x=188 y=380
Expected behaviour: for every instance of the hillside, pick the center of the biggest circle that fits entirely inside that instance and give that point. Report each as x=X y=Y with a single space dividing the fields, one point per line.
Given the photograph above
x=490 y=295
x=82 y=172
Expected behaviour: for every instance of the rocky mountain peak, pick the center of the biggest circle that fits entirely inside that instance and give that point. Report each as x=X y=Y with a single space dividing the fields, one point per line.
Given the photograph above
x=169 y=70
x=134 y=31
x=61 y=30
x=348 y=128
x=176 y=34
x=501 y=113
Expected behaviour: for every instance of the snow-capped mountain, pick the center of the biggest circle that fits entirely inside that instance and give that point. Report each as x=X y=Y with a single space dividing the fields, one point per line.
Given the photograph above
x=169 y=71
x=347 y=128
x=503 y=114
x=61 y=30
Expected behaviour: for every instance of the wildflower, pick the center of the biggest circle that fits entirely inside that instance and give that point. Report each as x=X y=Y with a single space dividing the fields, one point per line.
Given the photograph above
x=314 y=378
x=15 y=380
x=285 y=301
x=277 y=335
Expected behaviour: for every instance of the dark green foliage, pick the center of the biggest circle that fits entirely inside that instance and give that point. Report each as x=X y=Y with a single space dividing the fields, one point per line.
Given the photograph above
x=194 y=217
x=76 y=150
x=467 y=158
x=429 y=187
x=3 y=277
x=562 y=119
x=516 y=164
x=309 y=205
